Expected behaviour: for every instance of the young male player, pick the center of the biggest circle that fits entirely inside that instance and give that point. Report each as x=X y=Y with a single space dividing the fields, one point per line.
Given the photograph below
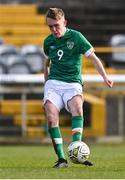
x=63 y=83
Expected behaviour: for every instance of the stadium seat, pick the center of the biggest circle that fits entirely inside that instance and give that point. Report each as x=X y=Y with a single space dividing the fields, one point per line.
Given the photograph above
x=18 y=9
x=3 y=68
x=35 y=118
x=19 y=19
x=118 y=58
x=20 y=40
x=19 y=68
x=22 y=24
x=14 y=58
x=36 y=132
x=34 y=57
x=7 y=51
x=23 y=30
x=10 y=131
x=14 y=107
x=38 y=119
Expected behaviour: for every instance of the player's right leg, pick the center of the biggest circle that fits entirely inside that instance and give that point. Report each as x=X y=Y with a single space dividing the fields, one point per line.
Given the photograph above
x=53 y=103
x=53 y=124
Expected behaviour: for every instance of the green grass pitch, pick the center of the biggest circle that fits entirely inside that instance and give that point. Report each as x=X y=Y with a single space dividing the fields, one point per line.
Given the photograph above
x=36 y=161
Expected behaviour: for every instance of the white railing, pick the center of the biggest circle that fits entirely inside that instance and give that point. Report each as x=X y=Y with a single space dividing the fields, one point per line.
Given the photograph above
x=23 y=79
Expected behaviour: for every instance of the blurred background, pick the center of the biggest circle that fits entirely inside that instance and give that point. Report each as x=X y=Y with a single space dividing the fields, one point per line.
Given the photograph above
x=22 y=31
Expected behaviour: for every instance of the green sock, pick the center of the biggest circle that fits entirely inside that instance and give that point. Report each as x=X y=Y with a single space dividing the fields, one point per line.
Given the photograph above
x=56 y=137
x=77 y=128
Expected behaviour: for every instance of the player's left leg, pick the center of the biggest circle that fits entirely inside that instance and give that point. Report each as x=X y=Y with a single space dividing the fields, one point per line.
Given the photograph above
x=75 y=106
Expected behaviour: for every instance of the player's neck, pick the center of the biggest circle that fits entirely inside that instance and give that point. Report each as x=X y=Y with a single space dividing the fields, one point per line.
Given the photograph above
x=64 y=31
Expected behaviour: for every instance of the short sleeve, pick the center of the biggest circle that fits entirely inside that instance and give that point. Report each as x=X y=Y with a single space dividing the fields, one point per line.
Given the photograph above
x=85 y=46
x=45 y=48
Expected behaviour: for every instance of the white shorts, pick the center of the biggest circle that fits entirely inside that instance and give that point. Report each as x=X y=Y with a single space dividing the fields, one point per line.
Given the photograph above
x=59 y=92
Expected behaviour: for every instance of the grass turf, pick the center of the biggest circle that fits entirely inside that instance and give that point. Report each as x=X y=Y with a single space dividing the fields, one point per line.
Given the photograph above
x=35 y=162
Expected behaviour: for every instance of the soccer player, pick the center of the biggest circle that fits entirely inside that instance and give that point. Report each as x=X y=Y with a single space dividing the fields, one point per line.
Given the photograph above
x=63 y=82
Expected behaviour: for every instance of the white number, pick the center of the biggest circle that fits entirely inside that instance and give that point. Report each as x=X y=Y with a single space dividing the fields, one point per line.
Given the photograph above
x=60 y=54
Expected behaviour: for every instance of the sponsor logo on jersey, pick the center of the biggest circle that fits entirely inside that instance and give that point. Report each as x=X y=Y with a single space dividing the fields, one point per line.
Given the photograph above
x=70 y=44
x=52 y=47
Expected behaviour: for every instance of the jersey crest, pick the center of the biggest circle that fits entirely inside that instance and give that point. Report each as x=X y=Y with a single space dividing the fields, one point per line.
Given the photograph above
x=70 y=44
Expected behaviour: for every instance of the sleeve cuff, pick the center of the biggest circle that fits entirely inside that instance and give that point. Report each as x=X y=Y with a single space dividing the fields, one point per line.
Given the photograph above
x=87 y=53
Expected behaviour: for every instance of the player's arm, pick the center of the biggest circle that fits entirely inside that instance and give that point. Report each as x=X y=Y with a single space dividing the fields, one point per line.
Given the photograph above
x=46 y=68
x=99 y=67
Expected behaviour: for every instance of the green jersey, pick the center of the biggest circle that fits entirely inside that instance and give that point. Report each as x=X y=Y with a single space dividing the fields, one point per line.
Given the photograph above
x=65 y=54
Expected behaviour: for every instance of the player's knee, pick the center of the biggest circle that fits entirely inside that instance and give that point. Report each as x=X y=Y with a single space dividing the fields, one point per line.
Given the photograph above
x=77 y=111
x=52 y=124
x=52 y=119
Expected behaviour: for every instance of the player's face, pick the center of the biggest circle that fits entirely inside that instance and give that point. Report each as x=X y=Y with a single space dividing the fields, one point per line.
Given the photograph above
x=57 y=27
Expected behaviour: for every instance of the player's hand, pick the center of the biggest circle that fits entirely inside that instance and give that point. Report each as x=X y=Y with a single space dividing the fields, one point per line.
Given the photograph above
x=108 y=82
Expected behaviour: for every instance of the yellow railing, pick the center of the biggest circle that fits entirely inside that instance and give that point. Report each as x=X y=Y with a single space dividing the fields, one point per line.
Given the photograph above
x=109 y=49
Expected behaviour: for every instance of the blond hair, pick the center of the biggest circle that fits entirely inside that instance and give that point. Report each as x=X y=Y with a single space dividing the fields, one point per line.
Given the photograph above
x=55 y=13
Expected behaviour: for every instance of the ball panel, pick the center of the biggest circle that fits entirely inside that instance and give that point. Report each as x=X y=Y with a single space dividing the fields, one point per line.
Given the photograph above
x=78 y=152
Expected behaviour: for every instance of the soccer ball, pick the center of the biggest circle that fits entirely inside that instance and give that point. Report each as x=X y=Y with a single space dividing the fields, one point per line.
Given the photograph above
x=78 y=152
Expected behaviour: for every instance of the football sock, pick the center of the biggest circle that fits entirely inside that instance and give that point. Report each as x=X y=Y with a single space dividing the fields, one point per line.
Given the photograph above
x=77 y=128
x=56 y=137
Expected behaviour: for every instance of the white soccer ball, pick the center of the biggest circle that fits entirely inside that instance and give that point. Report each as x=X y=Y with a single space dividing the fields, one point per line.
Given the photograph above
x=78 y=152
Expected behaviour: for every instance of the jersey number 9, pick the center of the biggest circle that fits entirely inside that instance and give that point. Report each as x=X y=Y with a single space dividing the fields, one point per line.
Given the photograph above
x=60 y=54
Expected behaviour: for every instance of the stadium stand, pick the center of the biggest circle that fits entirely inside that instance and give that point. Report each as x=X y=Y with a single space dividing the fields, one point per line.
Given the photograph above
x=21 y=24
x=98 y=20
x=118 y=58
x=34 y=57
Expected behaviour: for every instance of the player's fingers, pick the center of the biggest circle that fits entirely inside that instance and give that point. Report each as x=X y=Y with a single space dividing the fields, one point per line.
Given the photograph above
x=110 y=83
